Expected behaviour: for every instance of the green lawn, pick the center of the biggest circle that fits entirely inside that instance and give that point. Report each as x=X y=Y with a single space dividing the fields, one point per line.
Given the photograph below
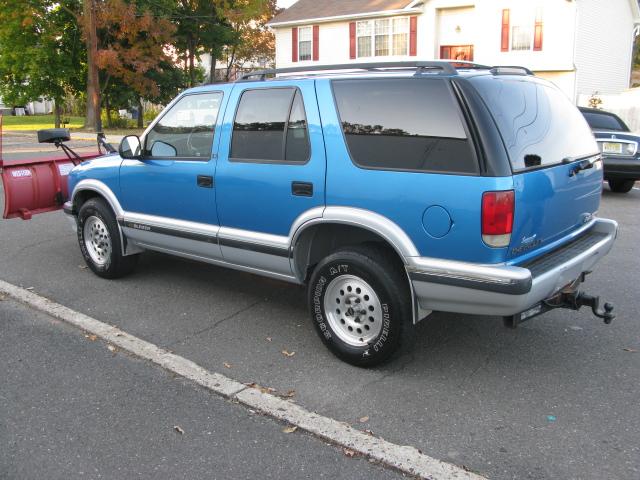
x=37 y=122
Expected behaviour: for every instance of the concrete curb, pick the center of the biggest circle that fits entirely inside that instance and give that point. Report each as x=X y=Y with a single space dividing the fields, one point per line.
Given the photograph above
x=404 y=458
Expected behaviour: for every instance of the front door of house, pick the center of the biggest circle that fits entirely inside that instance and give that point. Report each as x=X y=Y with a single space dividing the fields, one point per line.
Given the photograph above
x=463 y=53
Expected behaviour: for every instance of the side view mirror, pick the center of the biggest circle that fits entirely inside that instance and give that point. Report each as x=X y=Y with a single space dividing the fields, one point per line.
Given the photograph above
x=130 y=147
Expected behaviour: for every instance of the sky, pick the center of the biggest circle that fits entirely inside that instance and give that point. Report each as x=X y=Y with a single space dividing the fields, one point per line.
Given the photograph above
x=285 y=3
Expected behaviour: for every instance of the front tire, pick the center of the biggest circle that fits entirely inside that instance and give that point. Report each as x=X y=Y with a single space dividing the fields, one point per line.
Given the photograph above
x=621 y=186
x=360 y=304
x=99 y=240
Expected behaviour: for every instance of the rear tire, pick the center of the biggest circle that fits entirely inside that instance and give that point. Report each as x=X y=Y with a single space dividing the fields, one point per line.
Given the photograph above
x=360 y=304
x=621 y=186
x=99 y=239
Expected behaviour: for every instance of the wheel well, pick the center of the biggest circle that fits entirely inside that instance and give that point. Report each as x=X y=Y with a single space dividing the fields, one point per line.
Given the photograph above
x=82 y=196
x=319 y=241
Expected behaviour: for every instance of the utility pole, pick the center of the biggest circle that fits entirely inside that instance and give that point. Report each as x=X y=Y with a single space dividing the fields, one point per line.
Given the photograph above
x=93 y=86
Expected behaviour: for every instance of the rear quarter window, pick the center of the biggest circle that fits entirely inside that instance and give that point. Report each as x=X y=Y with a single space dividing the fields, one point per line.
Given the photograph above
x=404 y=124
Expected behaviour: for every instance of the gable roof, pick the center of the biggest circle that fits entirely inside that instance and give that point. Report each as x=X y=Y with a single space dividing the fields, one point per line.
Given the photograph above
x=324 y=9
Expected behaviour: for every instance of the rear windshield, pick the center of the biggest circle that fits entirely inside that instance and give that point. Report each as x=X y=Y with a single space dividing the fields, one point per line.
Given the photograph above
x=603 y=121
x=538 y=123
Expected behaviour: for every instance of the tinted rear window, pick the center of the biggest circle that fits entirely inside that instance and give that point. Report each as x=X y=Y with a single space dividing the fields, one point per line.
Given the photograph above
x=538 y=123
x=602 y=121
x=404 y=124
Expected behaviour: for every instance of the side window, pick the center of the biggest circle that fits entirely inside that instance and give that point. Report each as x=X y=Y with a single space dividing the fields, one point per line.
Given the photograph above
x=404 y=124
x=187 y=129
x=270 y=126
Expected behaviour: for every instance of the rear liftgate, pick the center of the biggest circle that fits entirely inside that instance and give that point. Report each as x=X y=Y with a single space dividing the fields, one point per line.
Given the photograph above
x=39 y=185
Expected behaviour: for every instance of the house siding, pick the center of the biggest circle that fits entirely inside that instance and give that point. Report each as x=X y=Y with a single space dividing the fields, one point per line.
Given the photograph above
x=604 y=46
x=586 y=47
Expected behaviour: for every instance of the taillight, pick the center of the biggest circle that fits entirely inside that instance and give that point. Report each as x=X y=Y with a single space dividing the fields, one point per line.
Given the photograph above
x=497 y=217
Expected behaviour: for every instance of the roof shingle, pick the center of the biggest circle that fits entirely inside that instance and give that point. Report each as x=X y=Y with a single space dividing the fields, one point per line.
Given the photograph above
x=312 y=9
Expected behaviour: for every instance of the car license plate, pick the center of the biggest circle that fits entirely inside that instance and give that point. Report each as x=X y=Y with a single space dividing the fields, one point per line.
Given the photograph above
x=612 y=147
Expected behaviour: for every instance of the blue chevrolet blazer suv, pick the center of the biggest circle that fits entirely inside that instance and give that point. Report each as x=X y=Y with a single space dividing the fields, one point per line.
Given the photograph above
x=389 y=190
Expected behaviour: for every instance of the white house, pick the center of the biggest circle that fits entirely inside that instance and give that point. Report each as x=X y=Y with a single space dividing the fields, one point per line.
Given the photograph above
x=584 y=46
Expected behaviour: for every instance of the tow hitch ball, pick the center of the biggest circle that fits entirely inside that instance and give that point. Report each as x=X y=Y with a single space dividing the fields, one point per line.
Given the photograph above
x=576 y=300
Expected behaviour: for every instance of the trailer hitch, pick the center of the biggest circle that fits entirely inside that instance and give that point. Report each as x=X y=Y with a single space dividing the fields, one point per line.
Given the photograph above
x=569 y=297
x=577 y=300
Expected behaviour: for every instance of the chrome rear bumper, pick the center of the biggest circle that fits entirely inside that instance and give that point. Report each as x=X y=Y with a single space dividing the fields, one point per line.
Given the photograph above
x=507 y=290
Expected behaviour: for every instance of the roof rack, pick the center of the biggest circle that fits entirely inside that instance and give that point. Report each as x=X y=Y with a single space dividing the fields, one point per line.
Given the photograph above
x=510 y=70
x=421 y=67
x=441 y=67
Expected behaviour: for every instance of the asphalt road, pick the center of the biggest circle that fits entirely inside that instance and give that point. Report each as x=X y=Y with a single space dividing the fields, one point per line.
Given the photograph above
x=70 y=408
x=556 y=398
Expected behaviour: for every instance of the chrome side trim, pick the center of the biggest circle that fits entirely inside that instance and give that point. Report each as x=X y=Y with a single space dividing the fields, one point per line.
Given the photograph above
x=223 y=263
x=172 y=226
x=237 y=235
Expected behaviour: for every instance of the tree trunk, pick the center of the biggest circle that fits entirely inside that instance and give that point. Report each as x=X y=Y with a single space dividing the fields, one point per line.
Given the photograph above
x=212 y=72
x=192 y=71
x=93 y=121
x=107 y=106
x=231 y=62
x=57 y=113
x=140 y=113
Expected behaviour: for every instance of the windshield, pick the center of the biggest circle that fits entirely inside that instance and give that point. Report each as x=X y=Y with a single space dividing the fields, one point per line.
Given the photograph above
x=604 y=121
x=539 y=125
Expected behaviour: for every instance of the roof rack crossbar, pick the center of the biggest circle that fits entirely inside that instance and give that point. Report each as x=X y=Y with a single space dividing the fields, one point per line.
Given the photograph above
x=444 y=67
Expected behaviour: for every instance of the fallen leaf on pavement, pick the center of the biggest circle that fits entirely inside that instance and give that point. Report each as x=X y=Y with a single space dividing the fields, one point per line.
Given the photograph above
x=629 y=350
x=262 y=389
x=112 y=348
x=369 y=432
x=289 y=394
x=364 y=419
x=82 y=267
x=289 y=429
x=227 y=365
x=178 y=429
x=288 y=354
x=91 y=337
x=2 y=297
x=348 y=452
x=269 y=339
x=30 y=288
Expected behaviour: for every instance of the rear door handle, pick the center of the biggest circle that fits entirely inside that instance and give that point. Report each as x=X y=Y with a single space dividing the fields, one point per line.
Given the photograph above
x=302 y=189
x=205 y=181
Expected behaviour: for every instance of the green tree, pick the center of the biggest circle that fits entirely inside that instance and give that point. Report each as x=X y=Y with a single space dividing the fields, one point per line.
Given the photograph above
x=253 y=43
x=40 y=51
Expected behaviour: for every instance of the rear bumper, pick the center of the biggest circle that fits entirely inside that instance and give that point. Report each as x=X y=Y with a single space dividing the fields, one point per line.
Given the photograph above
x=507 y=290
x=622 y=168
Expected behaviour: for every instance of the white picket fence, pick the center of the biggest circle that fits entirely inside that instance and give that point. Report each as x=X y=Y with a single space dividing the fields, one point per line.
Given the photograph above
x=626 y=105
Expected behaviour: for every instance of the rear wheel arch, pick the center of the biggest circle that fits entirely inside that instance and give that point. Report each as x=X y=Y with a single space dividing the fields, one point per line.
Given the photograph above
x=318 y=241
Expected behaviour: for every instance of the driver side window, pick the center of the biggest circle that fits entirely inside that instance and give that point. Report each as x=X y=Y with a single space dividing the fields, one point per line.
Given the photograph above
x=187 y=129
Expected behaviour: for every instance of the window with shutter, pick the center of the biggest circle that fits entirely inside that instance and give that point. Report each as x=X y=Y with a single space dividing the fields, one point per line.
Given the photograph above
x=382 y=37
